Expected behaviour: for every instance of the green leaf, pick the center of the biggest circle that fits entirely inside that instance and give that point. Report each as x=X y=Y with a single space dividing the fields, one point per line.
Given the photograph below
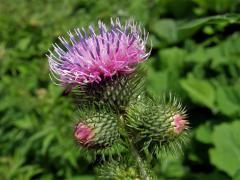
x=84 y=177
x=188 y=28
x=200 y=91
x=226 y=153
x=156 y=82
x=47 y=141
x=24 y=43
x=224 y=102
x=237 y=175
x=208 y=176
x=173 y=58
x=173 y=168
x=218 y=5
x=166 y=29
x=203 y=133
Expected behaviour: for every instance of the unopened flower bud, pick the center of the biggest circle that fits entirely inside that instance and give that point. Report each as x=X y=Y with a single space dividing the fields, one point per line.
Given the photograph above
x=179 y=124
x=98 y=131
x=83 y=133
x=158 y=125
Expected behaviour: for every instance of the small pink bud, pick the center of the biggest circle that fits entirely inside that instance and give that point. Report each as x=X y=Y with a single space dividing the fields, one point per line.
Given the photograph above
x=179 y=123
x=83 y=133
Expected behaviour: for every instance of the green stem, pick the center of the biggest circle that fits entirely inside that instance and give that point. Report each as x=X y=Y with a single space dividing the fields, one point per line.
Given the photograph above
x=135 y=153
x=140 y=162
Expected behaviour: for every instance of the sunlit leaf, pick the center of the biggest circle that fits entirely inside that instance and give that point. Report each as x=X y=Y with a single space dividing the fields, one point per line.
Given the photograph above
x=200 y=91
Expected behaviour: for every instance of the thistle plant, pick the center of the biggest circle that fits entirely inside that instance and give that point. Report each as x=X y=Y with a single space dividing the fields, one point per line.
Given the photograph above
x=100 y=71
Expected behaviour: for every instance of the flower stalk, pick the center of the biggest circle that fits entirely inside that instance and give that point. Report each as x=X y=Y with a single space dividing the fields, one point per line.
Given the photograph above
x=143 y=170
x=134 y=151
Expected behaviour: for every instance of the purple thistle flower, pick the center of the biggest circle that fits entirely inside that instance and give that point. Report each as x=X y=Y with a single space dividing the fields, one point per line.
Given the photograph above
x=88 y=58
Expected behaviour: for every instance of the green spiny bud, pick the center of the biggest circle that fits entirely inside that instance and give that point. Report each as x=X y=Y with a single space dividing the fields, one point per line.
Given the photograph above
x=97 y=131
x=158 y=125
x=123 y=169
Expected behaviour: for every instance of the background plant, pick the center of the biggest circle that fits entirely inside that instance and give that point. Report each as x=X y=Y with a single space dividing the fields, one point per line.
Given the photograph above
x=195 y=55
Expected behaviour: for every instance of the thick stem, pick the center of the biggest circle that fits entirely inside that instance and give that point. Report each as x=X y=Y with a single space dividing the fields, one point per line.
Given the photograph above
x=135 y=153
x=142 y=169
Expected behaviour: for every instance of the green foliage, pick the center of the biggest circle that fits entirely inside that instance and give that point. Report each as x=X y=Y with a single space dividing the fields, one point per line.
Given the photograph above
x=203 y=133
x=226 y=141
x=195 y=54
x=200 y=91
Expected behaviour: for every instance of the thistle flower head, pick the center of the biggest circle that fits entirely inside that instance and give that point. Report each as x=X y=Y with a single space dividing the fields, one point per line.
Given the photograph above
x=89 y=56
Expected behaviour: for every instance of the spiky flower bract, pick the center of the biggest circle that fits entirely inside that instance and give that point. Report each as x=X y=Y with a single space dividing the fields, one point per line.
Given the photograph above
x=160 y=126
x=90 y=57
x=115 y=93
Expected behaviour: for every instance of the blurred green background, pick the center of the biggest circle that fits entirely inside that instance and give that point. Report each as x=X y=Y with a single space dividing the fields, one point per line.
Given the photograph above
x=195 y=55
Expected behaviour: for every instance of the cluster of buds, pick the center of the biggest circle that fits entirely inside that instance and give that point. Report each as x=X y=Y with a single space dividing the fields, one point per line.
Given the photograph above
x=100 y=71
